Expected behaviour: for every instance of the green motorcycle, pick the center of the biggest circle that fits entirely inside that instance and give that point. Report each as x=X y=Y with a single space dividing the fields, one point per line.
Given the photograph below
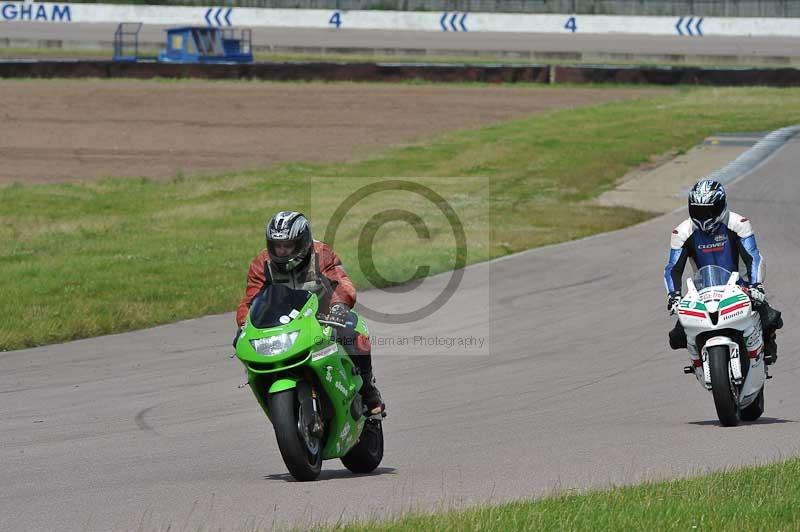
x=307 y=384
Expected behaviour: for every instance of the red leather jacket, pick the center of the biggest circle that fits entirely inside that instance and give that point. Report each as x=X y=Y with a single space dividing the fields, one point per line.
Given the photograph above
x=329 y=265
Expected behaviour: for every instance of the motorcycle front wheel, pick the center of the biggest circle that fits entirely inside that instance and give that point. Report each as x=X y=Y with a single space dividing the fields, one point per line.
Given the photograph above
x=721 y=386
x=301 y=452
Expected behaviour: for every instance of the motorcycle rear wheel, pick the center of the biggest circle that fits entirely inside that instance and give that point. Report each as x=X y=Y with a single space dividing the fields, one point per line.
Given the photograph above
x=754 y=410
x=366 y=455
x=721 y=386
x=303 y=464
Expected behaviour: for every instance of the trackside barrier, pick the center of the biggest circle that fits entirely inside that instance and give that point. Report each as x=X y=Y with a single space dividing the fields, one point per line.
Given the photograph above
x=684 y=26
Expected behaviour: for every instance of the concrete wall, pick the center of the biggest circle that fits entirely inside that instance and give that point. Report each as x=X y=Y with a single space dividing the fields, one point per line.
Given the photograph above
x=683 y=26
x=718 y=8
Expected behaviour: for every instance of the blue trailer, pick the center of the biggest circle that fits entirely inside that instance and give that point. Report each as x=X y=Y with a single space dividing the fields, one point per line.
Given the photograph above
x=188 y=44
x=205 y=44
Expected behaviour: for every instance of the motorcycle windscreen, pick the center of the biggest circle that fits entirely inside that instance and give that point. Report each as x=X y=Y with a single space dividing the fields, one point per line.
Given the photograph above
x=275 y=303
x=711 y=275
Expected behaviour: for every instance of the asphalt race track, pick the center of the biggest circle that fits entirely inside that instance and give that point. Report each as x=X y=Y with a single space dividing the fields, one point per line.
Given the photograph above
x=576 y=387
x=432 y=40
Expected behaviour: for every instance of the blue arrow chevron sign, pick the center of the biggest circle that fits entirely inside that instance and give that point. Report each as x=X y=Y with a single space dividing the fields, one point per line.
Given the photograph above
x=215 y=17
x=684 y=26
x=454 y=21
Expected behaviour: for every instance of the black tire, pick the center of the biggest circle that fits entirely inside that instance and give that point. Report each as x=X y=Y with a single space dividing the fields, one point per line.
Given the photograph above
x=366 y=455
x=721 y=387
x=300 y=461
x=754 y=410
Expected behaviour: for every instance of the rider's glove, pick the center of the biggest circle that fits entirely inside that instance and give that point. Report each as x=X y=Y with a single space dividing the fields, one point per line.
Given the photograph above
x=757 y=294
x=336 y=316
x=673 y=301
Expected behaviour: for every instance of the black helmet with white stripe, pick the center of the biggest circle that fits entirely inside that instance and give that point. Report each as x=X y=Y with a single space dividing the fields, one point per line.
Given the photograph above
x=708 y=206
x=289 y=241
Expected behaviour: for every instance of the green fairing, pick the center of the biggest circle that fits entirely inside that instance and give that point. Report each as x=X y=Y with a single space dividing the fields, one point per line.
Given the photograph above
x=270 y=374
x=332 y=370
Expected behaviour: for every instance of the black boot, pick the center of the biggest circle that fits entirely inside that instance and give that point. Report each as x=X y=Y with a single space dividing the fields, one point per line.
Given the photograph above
x=770 y=348
x=361 y=353
x=771 y=321
x=371 y=395
x=677 y=337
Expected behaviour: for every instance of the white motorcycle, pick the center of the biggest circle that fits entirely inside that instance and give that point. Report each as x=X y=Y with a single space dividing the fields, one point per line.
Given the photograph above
x=719 y=319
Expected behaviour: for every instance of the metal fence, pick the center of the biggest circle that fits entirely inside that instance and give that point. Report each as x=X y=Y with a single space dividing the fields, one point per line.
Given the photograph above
x=706 y=8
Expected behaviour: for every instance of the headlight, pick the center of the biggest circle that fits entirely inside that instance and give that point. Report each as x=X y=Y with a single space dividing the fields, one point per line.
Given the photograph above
x=275 y=345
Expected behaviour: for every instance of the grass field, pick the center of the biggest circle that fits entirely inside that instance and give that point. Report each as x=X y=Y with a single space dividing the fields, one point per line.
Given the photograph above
x=87 y=259
x=758 y=498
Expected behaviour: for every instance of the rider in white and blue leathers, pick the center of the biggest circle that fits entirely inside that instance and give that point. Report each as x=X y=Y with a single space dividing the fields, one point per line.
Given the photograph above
x=712 y=235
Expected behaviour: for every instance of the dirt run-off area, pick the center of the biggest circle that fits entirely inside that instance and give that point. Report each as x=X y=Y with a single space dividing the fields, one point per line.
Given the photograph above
x=65 y=130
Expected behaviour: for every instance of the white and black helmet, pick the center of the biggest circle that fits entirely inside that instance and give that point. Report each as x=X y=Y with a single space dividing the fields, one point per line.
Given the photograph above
x=708 y=206
x=289 y=227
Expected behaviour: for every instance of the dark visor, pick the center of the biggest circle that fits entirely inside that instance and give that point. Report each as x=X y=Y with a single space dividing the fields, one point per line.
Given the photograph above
x=294 y=243
x=706 y=212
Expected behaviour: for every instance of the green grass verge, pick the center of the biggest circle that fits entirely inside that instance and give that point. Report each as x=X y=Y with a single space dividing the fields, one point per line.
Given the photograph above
x=521 y=59
x=53 y=53
x=757 y=498
x=81 y=260
x=436 y=57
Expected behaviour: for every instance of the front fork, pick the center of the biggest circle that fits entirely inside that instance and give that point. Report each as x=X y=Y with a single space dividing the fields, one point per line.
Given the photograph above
x=734 y=363
x=307 y=395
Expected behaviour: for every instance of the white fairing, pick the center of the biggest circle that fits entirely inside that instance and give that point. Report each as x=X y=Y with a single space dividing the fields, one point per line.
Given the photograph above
x=730 y=308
